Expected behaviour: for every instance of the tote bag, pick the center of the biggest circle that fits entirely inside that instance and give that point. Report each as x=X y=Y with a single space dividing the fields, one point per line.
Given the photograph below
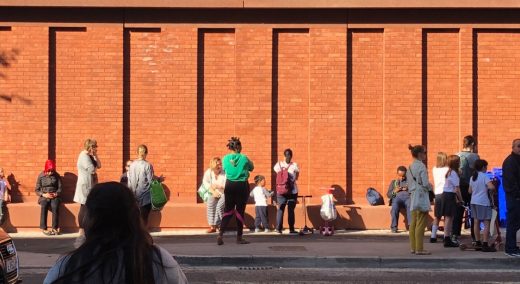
x=157 y=195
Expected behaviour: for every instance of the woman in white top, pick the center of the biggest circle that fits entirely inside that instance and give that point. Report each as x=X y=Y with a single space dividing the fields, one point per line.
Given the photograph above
x=451 y=198
x=88 y=163
x=215 y=179
x=117 y=249
x=439 y=178
x=480 y=187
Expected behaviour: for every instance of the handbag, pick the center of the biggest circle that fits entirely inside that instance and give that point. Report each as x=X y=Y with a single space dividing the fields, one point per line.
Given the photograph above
x=157 y=195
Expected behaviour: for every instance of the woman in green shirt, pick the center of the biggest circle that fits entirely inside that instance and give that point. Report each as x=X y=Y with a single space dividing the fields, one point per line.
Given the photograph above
x=237 y=167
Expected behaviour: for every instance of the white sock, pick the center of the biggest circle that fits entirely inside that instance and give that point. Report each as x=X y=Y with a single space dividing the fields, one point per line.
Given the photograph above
x=434 y=231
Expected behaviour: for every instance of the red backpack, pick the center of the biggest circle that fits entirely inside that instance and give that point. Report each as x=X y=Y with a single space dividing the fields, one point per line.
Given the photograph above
x=284 y=183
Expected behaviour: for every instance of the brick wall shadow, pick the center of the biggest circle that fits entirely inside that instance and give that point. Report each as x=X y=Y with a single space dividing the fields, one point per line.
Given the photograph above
x=14 y=189
x=68 y=184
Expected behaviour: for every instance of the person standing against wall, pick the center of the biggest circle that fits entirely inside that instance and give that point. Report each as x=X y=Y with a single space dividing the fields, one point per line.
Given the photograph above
x=511 y=180
x=467 y=167
x=288 y=199
x=88 y=164
x=237 y=167
x=140 y=176
x=215 y=179
x=439 y=179
x=418 y=186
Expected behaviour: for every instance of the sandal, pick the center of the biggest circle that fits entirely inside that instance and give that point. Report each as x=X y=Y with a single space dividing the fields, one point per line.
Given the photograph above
x=47 y=232
x=423 y=252
x=55 y=231
x=241 y=241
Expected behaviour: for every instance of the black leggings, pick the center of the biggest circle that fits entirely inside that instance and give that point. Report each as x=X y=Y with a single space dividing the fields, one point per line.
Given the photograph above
x=236 y=194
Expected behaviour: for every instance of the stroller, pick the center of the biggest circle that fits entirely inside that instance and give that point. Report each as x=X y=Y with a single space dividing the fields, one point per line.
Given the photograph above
x=328 y=213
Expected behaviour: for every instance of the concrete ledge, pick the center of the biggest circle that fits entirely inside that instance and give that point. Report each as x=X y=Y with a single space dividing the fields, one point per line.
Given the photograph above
x=26 y=217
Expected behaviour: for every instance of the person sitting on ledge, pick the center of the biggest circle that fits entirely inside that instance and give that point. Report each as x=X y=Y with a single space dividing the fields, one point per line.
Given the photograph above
x=399 y=197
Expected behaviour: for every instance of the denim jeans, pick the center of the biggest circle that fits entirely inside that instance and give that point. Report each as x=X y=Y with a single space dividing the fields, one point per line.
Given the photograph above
x=289 y=201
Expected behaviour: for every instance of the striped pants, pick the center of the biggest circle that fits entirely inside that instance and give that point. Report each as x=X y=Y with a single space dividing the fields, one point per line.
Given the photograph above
x=215 y=208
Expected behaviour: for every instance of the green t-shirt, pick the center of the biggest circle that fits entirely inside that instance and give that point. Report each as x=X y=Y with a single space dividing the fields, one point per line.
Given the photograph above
x=237 y=166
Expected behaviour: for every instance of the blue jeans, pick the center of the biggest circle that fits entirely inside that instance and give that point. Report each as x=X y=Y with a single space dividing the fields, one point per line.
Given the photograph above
x=513 y=222
x=289 y=201
x=398 y=202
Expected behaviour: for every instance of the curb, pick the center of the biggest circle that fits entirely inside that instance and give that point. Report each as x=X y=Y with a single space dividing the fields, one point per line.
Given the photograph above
x=423 y=262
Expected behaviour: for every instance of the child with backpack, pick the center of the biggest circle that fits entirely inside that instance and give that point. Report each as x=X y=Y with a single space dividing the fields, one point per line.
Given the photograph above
x=260 y=194
x=479 y=187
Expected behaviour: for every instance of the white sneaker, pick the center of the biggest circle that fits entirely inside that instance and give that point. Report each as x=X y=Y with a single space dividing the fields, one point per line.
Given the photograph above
x=266 y=230
x=257 y=230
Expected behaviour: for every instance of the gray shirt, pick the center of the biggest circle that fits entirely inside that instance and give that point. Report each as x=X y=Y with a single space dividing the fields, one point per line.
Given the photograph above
x=140 y=176
x=171 y=272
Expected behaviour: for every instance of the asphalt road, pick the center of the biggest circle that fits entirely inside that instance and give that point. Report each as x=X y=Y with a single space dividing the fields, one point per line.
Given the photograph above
x=323 y=275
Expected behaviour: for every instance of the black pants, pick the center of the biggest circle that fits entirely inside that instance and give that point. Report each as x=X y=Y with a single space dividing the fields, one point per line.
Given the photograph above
x=513 y=222
x=459 y=214
x=236 y=194
x=55 y=208
x=289 y=201
x=261 y=217
x=145 y=212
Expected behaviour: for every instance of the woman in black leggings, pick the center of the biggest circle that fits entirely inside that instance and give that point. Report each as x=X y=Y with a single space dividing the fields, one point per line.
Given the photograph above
x=237 y=167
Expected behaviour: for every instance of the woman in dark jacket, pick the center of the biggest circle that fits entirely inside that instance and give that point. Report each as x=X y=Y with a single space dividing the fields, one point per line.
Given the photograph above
x=48 y=188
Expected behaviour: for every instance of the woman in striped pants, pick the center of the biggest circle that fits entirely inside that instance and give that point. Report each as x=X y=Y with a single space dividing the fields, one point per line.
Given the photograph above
x=215 y=179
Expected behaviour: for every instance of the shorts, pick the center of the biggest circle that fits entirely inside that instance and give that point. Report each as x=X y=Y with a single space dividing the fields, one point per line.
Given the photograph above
x=449 y=204
x=481 y=212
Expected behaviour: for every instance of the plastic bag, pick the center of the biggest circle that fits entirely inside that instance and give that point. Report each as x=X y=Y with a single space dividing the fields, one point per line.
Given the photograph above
x=328 y=210
x=157 y=195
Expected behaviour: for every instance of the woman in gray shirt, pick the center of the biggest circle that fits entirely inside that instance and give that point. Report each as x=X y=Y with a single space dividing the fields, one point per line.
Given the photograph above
x=140 y=176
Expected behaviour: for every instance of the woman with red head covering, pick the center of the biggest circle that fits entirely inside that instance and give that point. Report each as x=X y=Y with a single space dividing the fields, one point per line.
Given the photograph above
x=48 y=188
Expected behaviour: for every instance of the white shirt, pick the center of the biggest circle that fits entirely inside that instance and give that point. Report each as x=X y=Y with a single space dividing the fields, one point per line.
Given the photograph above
x=439 y=179
x=260 y=195
x=210 y=178
x=479 y=195
x=452 y=182
x=292 y=170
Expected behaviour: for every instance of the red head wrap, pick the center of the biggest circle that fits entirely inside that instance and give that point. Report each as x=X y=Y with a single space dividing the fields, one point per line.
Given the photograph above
x=50 y=166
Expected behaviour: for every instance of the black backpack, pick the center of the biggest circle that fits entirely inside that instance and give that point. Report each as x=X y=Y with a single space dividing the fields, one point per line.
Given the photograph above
x=373 y=197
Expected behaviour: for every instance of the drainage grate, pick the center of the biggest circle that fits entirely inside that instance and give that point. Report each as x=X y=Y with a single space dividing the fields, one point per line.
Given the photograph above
x=256 y=268
x=288 y=248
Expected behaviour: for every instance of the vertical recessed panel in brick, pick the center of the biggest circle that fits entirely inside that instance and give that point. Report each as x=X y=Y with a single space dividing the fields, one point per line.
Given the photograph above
x=442 y=91
x=403 y=98
x=498 y=93
x=254 y=61
x=366 y=108
x=23 y=104
x=163 y=104
x=292 y=52
x=89 y=98
x=221 y=111
x=327 y=111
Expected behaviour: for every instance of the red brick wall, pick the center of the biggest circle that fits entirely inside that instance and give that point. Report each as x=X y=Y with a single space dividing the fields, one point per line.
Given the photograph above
x=348 y=99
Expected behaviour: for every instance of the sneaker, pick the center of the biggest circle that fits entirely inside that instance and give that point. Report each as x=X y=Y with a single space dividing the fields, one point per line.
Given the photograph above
x=477 y=245
x=241 y=241
x=220 y=241
x=266 y=230
x=257 y=230
x=455 y=240
x=513 y=253
x=433 y=240
x=448 y=243
x=293 y=232
x=279 y=231
x=488 y=249
x=394 y=230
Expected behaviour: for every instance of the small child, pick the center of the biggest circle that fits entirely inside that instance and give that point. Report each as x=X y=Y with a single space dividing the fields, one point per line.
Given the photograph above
x=260 y=193
x=479 y=187
x=4 y=196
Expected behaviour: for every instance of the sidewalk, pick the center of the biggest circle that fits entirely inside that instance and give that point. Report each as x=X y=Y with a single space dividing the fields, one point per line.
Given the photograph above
x=353 y=249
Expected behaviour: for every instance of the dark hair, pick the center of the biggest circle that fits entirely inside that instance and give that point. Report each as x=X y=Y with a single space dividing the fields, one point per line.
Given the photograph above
x=288 y=150
x=402 y=169
x=116 y=240
x=233 y=144
x=453 y=165
x=468 y=141
x=479 y=165
x=415 y=150
x=258 y=179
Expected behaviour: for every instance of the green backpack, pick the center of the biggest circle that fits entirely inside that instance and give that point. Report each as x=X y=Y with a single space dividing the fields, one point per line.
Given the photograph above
x=157 y=195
